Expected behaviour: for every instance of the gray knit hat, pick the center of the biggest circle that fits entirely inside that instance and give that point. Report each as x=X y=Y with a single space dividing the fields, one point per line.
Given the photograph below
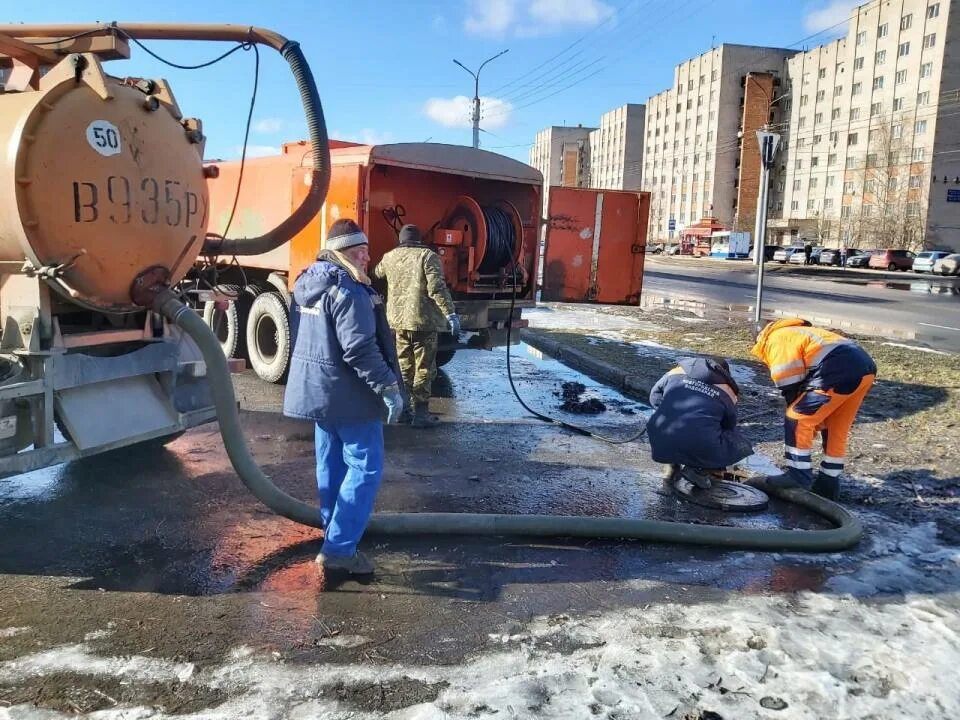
x=345 y=234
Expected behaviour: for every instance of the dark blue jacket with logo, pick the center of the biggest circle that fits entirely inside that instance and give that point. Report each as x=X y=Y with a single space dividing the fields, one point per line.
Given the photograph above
x=343 y=352
x=695 y=419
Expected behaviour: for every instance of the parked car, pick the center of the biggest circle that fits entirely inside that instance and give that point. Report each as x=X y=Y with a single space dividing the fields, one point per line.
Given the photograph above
x=891 y=260
x=834 y=256
x=925 y=261
x=798 y=258
x=861 y=258
x=782 y=255
x=949 y=265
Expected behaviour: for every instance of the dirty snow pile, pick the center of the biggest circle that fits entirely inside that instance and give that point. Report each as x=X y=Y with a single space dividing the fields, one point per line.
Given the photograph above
x=881 y=642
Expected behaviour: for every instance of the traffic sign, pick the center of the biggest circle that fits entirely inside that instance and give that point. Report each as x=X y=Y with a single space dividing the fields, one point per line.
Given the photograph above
x=672 y=224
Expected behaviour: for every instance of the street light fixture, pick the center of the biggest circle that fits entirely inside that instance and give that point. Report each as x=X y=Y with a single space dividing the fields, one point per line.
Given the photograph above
x=476 y=94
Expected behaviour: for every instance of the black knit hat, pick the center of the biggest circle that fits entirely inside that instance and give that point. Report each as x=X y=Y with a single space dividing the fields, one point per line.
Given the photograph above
x=410 y=235
x=344 y=234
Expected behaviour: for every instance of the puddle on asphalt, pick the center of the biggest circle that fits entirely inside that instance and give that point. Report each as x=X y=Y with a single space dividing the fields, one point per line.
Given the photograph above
x=922 y=287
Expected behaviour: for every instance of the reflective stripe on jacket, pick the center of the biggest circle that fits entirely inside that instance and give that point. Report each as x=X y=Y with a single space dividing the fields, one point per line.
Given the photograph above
x=791 y=348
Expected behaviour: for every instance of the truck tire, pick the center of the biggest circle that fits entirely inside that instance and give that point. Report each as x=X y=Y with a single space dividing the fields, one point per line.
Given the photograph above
x=268 y=337
x=230 y=325
x=445 y=356
x=278 y=284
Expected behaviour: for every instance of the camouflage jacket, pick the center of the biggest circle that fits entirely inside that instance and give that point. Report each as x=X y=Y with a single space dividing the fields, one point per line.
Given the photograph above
x=417 y=296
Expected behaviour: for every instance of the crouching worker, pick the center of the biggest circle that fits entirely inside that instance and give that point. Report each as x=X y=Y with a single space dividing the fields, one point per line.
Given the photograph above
x=693 y=429
x=824 y=378
x=343 y=371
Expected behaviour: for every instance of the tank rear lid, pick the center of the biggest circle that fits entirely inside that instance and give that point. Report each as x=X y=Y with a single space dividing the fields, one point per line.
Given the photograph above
x=456 y=160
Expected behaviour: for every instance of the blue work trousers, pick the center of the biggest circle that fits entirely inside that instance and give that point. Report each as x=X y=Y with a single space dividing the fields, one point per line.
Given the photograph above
x=349 y=470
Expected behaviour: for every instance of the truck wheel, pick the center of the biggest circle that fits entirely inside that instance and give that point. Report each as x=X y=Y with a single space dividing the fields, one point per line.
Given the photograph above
x=445 y=356
x=230 y=325
x=278 y=284
x=268 y=337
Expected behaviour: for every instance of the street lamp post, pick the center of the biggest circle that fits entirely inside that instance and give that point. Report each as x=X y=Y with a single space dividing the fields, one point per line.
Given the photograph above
x=768 y=147
x=476 y=95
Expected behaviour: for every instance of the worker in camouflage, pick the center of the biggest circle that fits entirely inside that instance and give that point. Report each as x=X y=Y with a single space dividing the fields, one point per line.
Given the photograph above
x=419 y=307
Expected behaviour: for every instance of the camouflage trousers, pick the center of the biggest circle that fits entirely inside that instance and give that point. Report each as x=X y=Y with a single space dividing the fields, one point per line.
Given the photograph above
x=417 y=353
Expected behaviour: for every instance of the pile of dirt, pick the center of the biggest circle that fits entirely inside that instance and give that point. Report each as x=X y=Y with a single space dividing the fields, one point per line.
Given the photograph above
x=573 y=401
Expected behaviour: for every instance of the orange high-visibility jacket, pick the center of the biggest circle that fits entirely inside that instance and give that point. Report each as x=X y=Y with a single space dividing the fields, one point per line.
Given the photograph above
x=790 y=348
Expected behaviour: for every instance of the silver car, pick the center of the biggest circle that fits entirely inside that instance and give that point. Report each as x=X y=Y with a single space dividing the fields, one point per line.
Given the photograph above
x=783 y=254
x=925 y=260
x=949 y=265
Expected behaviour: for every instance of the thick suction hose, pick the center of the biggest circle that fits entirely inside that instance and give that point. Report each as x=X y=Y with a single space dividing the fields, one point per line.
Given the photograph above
x=845 y=535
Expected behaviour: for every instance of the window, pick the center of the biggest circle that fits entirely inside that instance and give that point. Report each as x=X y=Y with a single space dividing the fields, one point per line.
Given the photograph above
x=913 y=209
x=861 y=37
x=920 y=127
x=818 y=118
x=892 y=183
x=845 y=211
x=713 y=95
x=923 y=98
x=835 y=137
x=904 y=49
x=821 y=94
x=926 y=70
x=901 y=77
x=835 y=115
x=851 y=163
x=857 y=88
x=831 y=159
x=801 y=142
x=811 y=204
x=848 y=187
x=679 y=107
x=871 y=160
x=822 y=73
x=795 y=205
x=880 y=58
x=882 y=31
x=813 y=183
x=699 y=100
x=875 y=109
x=802 y=123
x=796 y=184
x=898 y=103
x=914 y=181
x=710 y=136
x=897 y=131
x=714 y=74
x=828 y=204
x=906 y=22
x=803 y=100
x=858 y=63
x=852 y=139
x=699 y=119
x=687 y=124
x=838 y=91
x=703 y=79
x=689 y=103
x=919 y=154
x=799 y=165
x=831 y=180
x=878 y=83
x=855 y=113
x=930 y=40
x=933 y=11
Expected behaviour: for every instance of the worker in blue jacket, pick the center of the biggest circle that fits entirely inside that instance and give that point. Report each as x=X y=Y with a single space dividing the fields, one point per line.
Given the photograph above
x=343 y=371
x=693 y=429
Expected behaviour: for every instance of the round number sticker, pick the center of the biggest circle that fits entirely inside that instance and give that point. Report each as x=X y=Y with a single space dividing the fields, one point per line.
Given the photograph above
x=104 y=137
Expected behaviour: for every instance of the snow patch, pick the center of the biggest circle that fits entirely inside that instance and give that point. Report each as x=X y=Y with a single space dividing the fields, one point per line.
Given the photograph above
x=343 y=641
x=9 y=632
x=918 y=349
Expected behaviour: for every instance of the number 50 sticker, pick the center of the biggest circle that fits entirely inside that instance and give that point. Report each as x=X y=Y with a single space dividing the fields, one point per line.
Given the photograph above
x=103 y=137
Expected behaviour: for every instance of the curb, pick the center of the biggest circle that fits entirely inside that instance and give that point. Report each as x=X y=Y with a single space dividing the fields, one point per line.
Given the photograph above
x=630 y=385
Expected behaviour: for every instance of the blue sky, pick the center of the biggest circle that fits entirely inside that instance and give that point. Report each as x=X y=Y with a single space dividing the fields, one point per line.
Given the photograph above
x=385 y=69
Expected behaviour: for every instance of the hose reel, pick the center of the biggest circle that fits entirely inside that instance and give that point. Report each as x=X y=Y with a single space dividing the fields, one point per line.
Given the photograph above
x=490 y=238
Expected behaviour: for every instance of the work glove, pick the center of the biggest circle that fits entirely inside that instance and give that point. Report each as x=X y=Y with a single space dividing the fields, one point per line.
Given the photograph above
x=454 y=321
x=393 y=399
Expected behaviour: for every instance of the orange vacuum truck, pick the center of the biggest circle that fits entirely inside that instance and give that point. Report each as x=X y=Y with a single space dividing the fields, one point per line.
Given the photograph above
x=480 y=211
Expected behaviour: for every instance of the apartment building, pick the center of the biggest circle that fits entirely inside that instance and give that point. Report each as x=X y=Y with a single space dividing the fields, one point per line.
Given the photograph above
x=616 y=149
x=871 y=144
x=701 y=132
x=562 y=155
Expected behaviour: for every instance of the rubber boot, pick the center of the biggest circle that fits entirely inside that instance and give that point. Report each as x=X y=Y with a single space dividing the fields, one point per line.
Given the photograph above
x=826 y=487
x=358 y=564
x=783 y=482
x=422 y=417
x=697 y=477
x=406 y=416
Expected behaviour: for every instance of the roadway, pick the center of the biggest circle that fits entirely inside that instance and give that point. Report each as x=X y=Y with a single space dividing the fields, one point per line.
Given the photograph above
x=921 y=308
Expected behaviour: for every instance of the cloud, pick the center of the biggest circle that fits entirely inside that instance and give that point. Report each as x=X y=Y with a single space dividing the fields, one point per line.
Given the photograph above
x=268 y=126
x=827 y=16
x=534 y=17
x=255 y=150
x=366 y=136
x=456 y=112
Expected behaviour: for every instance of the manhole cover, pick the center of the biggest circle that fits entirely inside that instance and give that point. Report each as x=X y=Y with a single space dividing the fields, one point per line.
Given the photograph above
x=723 y=495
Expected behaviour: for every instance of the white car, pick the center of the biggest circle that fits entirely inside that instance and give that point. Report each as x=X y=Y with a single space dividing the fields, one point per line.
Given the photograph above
x=783 y=254
x=926 y=260
x=949 y=265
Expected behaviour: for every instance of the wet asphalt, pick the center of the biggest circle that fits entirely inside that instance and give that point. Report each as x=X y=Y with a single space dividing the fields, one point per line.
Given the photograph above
x=167 y=548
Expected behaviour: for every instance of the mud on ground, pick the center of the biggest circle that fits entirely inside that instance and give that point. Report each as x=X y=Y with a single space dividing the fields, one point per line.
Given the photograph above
x=904 y=449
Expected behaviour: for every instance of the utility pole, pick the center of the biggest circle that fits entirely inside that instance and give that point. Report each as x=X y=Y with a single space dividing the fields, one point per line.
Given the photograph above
x=769 y=142
x=476 y=95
